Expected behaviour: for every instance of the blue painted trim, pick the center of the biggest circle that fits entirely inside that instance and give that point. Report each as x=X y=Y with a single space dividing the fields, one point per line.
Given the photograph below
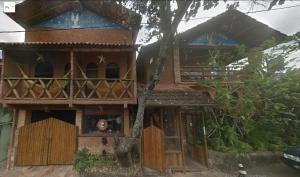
x=79 y=19
x=212 y=39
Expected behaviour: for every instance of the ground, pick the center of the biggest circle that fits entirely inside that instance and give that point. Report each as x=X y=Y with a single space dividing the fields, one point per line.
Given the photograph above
x=274 y=170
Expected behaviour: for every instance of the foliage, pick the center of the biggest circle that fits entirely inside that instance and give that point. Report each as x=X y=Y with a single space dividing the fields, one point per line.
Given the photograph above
x=85 y=161
x=262 y=112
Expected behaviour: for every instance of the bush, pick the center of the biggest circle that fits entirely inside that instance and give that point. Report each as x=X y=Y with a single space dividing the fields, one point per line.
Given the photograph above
x=84 y=161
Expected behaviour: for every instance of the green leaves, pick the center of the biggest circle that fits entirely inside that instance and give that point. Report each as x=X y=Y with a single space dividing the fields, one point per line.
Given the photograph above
x=262 y=113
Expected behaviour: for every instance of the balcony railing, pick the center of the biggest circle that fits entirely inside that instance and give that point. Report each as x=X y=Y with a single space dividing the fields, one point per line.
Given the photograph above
x=35 y=88
x=197 y=73
x=67 y=89
x=103 y=88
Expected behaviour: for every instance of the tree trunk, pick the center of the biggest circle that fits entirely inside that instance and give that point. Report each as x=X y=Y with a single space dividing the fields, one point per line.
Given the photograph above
x=168 y=29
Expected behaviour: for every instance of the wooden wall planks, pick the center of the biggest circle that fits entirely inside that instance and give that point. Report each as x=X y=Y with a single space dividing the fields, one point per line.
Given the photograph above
x=49 y=141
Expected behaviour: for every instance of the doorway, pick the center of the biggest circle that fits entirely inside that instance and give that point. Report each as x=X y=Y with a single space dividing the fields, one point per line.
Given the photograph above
x=63 y=115
x=193 y=141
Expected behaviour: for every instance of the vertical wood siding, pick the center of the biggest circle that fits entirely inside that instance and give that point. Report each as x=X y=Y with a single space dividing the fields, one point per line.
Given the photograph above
x=154 y=149
x=50 y=141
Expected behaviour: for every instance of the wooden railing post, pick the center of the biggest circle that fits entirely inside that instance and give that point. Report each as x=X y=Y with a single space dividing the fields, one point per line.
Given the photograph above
x=71 y=78
x=133 y=75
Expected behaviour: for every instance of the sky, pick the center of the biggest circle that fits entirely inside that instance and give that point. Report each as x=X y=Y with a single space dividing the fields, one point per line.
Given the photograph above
x=285 y=20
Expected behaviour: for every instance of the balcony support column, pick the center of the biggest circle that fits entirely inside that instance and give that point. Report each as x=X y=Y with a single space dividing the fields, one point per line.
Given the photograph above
x=71 y=78
x=133 y=73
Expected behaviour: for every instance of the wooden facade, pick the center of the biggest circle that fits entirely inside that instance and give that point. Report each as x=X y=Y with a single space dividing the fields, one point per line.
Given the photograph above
x=75 y=69
x=178 y=105
x=69 y=73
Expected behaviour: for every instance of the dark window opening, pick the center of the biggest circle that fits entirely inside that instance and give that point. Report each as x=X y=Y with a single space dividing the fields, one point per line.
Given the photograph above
x=102 y=125
x=153 y=117
x=67 y=68
x=112 y=71
x=44 y=70
x=63 y=115
x=91 y=70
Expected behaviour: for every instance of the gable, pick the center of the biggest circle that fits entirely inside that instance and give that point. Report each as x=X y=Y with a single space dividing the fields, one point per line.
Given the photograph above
x=79 y=19
x=212 y=39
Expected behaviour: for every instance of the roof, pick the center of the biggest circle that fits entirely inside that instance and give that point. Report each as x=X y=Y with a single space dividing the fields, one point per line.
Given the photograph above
x=233 y=24
x=31 y=12
x=179 y=98
x=15 y=45
x=236 y=25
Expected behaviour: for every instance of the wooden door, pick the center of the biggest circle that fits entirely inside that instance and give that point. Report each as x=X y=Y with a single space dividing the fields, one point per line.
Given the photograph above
x=33 y=140
x=62 y=144
x=49 y=141
x=194 y=137
x=154 y=148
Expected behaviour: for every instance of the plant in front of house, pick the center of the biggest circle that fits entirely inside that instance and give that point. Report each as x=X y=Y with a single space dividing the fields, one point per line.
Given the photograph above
x=86 y=162
x=262 y=112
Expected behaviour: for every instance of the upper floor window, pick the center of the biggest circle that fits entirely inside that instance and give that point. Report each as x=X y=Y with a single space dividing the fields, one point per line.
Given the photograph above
x=67 y=68
x=92 y=70
x=112 y=71
x=44 y=69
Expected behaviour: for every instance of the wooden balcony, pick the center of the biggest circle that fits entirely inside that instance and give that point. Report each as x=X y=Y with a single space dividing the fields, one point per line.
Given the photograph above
x=67 y=91
x=198 y=73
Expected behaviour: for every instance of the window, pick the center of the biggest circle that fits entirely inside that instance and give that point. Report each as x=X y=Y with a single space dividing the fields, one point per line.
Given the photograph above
x=44 y=70
x=67 y=68
x=92 y=70
x=112 y=71
x=102 y=125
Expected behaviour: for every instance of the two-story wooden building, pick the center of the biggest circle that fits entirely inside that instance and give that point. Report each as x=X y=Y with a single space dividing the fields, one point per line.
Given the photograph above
x=177 y=108
x=72 y=82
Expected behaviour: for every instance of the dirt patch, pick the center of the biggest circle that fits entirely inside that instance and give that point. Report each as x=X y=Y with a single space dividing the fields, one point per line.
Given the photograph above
x=229 y=162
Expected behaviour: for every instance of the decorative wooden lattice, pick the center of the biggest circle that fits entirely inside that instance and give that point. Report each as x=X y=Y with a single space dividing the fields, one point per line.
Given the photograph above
x=36 y=88
x=103 y=88
x=60 y=88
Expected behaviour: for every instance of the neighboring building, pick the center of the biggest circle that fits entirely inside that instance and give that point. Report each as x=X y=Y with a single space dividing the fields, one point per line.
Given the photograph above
x=177 y=108
x=72 y=82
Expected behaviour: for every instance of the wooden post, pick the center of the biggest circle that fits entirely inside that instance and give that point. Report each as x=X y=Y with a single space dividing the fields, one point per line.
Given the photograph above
x=19 y=121
x=176 y=65
x=181 y=128
x=204 y=139
x=133 y=73
x=78 y=121
x=126 y=121
x=10 y=156
x=71 y=78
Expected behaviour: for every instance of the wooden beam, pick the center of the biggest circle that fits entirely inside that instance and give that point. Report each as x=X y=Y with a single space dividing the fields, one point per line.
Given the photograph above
x=67 y=49
x=104 y=101
x=78 y=122
x=133 y=73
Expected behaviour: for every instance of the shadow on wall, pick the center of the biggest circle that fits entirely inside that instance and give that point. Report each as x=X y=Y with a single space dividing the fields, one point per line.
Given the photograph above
x=5 y=131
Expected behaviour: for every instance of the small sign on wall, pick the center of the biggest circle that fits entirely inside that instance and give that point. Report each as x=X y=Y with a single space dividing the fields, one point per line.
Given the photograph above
x=9 y=7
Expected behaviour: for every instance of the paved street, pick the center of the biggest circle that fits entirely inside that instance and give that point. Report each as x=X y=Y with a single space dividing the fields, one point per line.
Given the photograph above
x=275 y=170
